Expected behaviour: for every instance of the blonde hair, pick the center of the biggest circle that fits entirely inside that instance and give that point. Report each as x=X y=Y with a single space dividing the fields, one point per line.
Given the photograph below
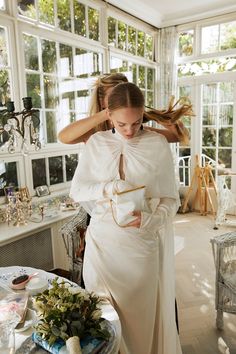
x=125 y=95
x=172 y=114
x=99 y=92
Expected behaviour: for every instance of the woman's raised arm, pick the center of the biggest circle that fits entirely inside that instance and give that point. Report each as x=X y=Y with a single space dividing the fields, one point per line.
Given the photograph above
x=81 y=130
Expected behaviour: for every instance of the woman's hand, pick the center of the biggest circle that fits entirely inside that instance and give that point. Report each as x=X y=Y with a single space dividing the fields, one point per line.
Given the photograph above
x=136 y=222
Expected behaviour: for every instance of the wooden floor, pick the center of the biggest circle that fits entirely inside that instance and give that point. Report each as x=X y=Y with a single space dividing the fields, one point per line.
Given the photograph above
x=195 y=287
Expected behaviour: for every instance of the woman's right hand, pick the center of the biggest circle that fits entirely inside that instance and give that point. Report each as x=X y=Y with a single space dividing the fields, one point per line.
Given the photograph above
x=137 y=222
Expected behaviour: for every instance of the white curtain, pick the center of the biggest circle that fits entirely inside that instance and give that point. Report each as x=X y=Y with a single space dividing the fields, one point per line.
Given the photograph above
x=168 y=40
x=167 y=50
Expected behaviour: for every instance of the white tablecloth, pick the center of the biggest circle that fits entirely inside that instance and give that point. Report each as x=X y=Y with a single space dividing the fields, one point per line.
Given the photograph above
x=108 y=311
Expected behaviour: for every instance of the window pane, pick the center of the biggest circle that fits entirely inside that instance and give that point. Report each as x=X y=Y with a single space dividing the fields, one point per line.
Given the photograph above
x=111 y=31
x=184 y=166
x=226 y=91
x=149 y=47
x=208 y=137
x=226 y=115
x=210 y=153
x=186 y=43
x=46 y=11
x=4 y=86
x=150 y=78
x=228 y=35
x=55 y=170
x=64 y=15
x=93 y=18
x=27 y=8
x=141 y=39
x=121 y=35
x=124 y=66
x=31 y=52
x=49 y=58
x=79 y=19
x=68 y=97
x=33 y=89
x=141 y=77
x=50 y=92
x=87 y=63
x=39 y=172
x=209 y=115
x=66 y=60
x=80 y=63
x=51 y=126
x=185 y=91
x=131 y=40
x=150 y=99
x=210 y=39
x=212 y=66
x=225 y=137
x=225 y=157
x=71 y=164
x=97 y=64
x=134 y=71
x=3 y=46
x=82 y=101
x=8 y=176
x=209 y=93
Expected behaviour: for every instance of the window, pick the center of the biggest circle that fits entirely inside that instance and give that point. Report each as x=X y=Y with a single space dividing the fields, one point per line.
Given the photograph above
x=209 y=71
x=217 y=121
x=69 y=16
x=186 y=41
x=61 y=51
x=59 y=79
x=61 y=169
x=129 y=39
x=218 y=37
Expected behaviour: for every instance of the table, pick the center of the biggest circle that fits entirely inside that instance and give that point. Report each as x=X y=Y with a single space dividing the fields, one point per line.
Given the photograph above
x=108 y=312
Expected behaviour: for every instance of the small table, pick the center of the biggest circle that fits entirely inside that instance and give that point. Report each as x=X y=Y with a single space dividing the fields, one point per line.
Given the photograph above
x=108 y=312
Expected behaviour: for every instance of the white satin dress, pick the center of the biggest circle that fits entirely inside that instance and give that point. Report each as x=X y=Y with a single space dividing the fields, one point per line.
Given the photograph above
x=133 y=268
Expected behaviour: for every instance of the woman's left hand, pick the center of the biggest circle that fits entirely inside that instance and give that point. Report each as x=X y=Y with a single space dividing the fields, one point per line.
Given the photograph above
x=137 y=221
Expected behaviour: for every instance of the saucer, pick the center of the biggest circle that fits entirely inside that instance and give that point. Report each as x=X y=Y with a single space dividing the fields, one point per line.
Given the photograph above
x=30 y=320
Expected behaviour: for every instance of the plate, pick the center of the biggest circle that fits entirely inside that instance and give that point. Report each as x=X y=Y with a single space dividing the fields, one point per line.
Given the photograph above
x=7 y=274
x=30 y=320
x=29 y=347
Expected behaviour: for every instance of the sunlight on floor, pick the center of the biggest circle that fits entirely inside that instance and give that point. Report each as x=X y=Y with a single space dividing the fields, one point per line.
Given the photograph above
x=181 y=221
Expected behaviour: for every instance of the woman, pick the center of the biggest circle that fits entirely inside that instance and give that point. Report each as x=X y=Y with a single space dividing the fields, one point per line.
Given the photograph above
x=132 y=265
x=81 y=130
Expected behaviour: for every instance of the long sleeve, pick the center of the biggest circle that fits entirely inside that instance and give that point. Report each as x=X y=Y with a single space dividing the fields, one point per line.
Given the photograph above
x=159 y=212
x=83 y=191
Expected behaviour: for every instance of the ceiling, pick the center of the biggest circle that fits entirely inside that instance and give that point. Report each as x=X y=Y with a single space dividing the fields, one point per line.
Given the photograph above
x=163 y=13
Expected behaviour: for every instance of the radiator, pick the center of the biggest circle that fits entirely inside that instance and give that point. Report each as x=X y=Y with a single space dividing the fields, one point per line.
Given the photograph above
x=31 y=251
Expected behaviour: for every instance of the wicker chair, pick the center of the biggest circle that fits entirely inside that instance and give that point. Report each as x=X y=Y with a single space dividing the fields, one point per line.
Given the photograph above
x=224 y=252
x=73 y=234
